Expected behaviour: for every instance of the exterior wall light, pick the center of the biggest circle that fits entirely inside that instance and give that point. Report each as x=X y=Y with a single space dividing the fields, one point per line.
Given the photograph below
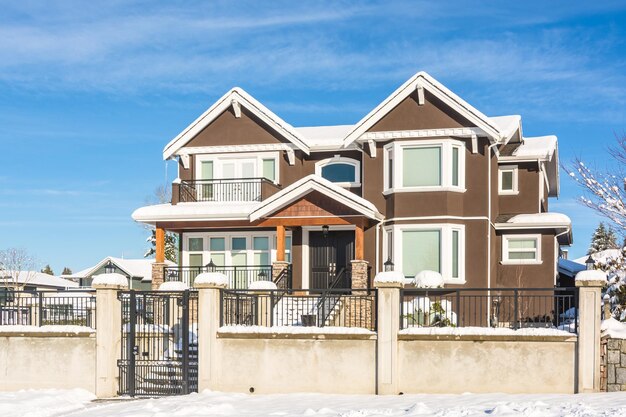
x=388 y=265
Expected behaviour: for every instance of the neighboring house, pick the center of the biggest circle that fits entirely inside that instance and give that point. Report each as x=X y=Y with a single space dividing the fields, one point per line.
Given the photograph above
x=33 y=280
x=138 y=272
x=424 y=181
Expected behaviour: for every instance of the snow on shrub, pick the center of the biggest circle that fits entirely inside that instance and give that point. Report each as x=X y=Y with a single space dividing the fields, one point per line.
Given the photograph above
x=428 y=279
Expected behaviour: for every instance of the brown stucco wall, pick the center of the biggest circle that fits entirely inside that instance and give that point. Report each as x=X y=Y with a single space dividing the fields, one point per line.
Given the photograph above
x=539 y=276
x=527 y=201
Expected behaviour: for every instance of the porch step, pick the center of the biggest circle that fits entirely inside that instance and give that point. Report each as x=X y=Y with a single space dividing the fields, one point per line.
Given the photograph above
x=289 y=310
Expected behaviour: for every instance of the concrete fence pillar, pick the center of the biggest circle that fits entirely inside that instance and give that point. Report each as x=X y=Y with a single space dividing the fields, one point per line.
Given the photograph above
x=388 y=285
x=208 y=285
x=109 y=332
x=589 y=285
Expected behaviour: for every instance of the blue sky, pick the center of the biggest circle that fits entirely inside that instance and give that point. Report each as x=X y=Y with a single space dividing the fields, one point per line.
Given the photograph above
x=90 y=93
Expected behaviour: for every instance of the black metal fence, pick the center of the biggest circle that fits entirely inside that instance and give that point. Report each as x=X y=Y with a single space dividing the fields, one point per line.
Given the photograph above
x=320 y=308
x=239 y=277
x=513 y=308
x=48 y=307
x=235 y=189
x=159 y=353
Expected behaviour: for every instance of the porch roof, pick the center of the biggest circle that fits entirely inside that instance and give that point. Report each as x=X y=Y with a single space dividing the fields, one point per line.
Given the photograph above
x=315 y=183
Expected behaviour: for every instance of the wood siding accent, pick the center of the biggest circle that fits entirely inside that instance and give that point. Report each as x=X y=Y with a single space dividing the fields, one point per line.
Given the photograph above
x=280 y=243
x=315 y=204
x=160 y=245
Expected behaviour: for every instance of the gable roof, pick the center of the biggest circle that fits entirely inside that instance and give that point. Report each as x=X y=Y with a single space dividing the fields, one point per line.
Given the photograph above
x=245 y=100
x=141 y=268
x=39 y=279
x=494 y=129
x=309 y=184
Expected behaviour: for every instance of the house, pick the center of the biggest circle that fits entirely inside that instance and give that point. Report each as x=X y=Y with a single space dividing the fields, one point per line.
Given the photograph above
x=34 y=281
x=424 y=181
x=138 y=271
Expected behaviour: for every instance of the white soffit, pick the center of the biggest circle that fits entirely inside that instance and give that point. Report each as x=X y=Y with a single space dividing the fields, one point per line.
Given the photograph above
x=239 y=96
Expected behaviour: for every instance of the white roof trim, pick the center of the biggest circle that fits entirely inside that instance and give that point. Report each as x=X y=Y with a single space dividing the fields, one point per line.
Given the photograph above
x=260 y=147
x=315 y=183
x=438 y=90
x=103 y=262
x=422 y=133
x=245 y=100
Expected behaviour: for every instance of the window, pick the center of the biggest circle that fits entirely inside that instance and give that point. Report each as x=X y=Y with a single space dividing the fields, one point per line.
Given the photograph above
x=345 y=172
x=424 y=165
x=232 y=166
x=195 y=244
x=507 y=180
x=261 y=248
x=217 y=248
x=434 y=247
x=521 y=249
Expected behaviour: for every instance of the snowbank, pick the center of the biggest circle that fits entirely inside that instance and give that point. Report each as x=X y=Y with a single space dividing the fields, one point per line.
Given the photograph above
x=45 y=329
x=591 y=275
x=262 y=285
x=613 y=329
x=295 y=330
x=113 y=280
x=173 y=286
x=483 y=331
x=389 y=277
x=211 y=279
x=428 y=279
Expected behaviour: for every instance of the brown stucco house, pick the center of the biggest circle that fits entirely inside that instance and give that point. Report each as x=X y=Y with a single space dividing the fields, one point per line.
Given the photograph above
x=424 y=181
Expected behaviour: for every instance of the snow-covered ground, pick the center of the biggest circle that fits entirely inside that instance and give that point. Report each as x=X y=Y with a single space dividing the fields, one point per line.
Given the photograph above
x=77 y=403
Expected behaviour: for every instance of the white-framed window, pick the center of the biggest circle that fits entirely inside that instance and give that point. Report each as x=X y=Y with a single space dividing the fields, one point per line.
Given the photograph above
x=435 y=247
x=232 y=248
x=345 y=172
x=424 y=165
x=507 y=180
x=521 y=249
x=241 y=165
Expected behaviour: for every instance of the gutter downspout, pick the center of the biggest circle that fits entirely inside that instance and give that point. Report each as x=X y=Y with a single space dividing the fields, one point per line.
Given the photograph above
x=490 y=223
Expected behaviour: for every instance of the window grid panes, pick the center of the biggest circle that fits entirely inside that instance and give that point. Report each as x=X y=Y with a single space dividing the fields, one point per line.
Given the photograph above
x=195 y=244
x=522 y=249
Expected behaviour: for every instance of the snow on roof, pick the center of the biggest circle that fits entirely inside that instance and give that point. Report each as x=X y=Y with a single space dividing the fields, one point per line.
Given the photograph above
x=541 y=219
x=195 y=211
x=507 y=124
x=39 y=279
x=571 y=267
x=141 y=268
x=603 y=256
x=324 y=136
x=310 y=183
x=541 y=147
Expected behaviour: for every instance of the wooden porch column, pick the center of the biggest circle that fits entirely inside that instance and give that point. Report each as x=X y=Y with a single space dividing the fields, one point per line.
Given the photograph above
x=280 y=243
x=358 y=242
x=160 y=245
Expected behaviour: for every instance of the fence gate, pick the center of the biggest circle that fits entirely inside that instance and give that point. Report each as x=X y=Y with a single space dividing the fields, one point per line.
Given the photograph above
x=159 y=343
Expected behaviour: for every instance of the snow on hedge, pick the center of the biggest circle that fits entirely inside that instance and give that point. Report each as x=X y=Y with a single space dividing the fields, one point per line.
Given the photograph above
x=428 y=279
x=110 y=280
x=45 y=329
x=483 y=331
x=213 y=279
x=613 y=328
x=262 y=285
x=295 y=330
x=173 y=286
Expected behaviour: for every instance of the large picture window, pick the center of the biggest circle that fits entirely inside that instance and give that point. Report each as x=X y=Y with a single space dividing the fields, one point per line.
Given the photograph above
x=233 y=166
x=433 y=247
x=424 y=165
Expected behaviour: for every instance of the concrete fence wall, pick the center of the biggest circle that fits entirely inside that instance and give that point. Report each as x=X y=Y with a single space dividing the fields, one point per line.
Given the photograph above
x=37 y=360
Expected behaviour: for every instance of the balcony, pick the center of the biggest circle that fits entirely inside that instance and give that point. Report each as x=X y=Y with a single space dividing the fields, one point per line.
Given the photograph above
x=225 y=190
x=239 y=277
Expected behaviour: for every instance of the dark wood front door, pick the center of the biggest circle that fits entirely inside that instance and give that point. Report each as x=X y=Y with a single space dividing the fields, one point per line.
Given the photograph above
x=328 y=256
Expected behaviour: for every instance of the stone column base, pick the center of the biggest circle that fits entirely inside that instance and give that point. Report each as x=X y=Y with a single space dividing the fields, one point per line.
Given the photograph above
x=157 y=275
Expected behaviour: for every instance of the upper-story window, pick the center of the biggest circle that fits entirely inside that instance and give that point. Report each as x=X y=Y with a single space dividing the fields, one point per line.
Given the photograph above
x=233 y=166
x=507 y=179
x=345 y=172
x=424 y=165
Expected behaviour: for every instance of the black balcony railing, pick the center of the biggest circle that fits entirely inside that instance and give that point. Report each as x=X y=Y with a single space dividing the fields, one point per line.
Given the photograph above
x=513 y=308
x=235 y=189
x=239 y=277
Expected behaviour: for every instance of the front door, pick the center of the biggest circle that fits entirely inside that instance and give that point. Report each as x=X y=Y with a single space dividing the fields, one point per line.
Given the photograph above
x=328 y=257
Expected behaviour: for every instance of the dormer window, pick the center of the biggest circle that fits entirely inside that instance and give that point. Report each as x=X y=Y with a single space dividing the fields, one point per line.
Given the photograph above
x=345 y=172
x=424 y=165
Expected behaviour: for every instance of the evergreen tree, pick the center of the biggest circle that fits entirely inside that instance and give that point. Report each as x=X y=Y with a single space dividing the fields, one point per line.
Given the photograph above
x=603 y=238
x=171 y=246
x=66 y=271
x=47 y=270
